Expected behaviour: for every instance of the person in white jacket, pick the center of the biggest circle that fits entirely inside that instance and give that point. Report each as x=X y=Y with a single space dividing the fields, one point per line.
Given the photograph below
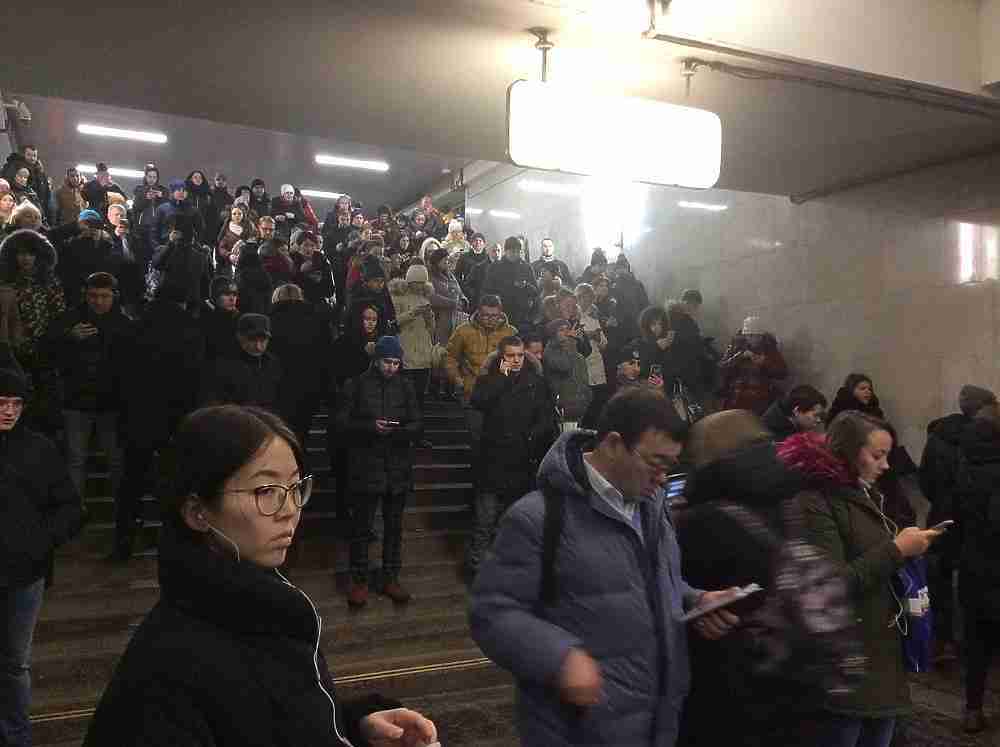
x=416 y=319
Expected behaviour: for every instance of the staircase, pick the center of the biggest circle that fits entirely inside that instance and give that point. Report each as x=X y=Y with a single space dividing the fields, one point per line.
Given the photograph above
x=420 y=653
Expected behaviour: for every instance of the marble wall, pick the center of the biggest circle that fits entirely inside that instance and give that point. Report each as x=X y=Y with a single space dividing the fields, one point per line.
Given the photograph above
x=896 y=280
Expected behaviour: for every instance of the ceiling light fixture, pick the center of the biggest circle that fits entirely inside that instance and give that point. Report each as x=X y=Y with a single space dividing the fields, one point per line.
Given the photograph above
x=715 y=208
x=555 y=127
x=352 y=163
x=89 y=168
x=145 y=137
x=549 y=188
x=473 y=211
x=505 y=214
x=321 y=194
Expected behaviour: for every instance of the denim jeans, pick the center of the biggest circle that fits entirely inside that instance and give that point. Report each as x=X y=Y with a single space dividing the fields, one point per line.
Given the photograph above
x=79 y=424
x=847 y=731
x=21 y=606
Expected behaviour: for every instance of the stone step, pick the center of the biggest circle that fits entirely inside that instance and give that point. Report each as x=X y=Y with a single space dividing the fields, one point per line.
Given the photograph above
x=89 y=609
x=471 y=702
x=318 y=544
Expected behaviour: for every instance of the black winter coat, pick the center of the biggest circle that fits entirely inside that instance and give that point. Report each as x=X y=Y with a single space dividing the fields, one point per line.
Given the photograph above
x=253 y=281
x=515 y=283
x=301 y=342
x=164 y=369
x=91 y=369
x=97 y=196
x=220 y=201
x=518 y=423
x=379 y=462
x=559 y=267
x=40 y=509
x=979 y=518
x=219 y=329
x=188 y=266
x=939 y=472
x=630 y=299
x=144 y=212
x=82 y=256
x=229 y=657
x=468 y=262
x=161 y=231
x=779 y=422
x=243 y=379
x=719 y=552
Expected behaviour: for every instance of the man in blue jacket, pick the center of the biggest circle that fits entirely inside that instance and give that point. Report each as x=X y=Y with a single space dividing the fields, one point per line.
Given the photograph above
x=600 y=655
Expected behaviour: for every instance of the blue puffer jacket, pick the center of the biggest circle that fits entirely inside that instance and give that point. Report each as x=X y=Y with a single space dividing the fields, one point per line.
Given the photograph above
x=620 y=598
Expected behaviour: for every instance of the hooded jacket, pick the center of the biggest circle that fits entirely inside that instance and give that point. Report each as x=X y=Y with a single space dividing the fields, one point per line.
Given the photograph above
x=779 y=422
x=230 y=656
x=845 y=520
x=568 y=377
x=40 y=508
x=939 y=472
x=416 y=328
x=171 y=207
x=32 y=302
x=621 y=597
x=468 y=348
x=719 y=552
x=38 y=182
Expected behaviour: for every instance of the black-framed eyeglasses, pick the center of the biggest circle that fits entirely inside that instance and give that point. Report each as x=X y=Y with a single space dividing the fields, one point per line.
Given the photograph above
x=270 y=499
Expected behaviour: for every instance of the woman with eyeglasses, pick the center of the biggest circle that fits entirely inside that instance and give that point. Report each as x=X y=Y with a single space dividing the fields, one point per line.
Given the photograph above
x=846 y=516
x=230 y=655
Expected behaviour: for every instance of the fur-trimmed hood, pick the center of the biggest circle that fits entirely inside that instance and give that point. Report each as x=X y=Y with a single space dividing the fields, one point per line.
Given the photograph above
x=401 y=287
x=45 y=254
x=492 y=363
x=808 y=454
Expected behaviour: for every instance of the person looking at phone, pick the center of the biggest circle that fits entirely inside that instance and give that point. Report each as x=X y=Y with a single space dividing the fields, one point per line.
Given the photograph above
x=287 y=211
x=566 y=372
x=602 y=657
x=847 y=517
x=380 y=420
x=654 y=345
x=516 y=410
x=629 y=370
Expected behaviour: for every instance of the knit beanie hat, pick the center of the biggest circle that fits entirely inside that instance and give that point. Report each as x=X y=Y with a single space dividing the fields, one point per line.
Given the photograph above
x=388 y=347
x=12 y=384
x=222 y=284
x=417 y=274
x=973 y=398
x=177 y=184
x=372 y=269
x=553 y=327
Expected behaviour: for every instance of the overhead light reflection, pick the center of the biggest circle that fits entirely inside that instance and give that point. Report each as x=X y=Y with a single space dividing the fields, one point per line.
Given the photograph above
x=352 y=163
x=321 y=194
x=505 y=214
x=142 y=136
x=89 y=168
x=551 y=188
x=712 y=207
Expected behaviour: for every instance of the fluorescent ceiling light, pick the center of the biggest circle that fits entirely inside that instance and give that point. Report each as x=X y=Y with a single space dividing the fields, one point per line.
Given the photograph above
x=352 y=163
x=321 y=194
x=146 y=137
x=702 y=206
x=550 y=188
x=505 y=214
x=473 y=211
x=89 y=168
x=556 y=127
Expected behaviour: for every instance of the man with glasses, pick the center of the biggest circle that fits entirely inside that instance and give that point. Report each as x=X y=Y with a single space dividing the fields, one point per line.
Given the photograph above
x=250 y=376
x=582 y=597
x=380 y=419
x=41 y=510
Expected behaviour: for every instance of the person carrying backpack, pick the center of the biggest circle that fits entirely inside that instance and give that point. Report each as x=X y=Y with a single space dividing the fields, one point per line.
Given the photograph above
x=741 y=526
x=600 y=654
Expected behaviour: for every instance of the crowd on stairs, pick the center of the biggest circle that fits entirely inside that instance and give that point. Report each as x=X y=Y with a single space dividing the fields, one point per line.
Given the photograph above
x=660 y=532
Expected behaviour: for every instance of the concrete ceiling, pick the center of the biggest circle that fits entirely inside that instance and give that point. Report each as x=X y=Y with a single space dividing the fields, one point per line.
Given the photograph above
x=431 y=77
x=240 y=152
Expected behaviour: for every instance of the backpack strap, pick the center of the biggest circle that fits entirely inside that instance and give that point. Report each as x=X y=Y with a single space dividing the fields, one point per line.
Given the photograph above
x=555 y=516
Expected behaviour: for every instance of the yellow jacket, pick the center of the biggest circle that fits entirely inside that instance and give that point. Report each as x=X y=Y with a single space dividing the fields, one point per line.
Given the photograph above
x=468 y=348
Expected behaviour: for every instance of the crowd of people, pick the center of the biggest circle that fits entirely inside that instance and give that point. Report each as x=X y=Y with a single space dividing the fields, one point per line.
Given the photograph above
x=631 y=482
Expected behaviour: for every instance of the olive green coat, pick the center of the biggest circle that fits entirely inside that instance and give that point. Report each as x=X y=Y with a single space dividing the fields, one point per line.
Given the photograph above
x=845 y=523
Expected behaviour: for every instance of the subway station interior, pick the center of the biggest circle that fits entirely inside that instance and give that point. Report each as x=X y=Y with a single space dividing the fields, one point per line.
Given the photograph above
x=829 y=169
